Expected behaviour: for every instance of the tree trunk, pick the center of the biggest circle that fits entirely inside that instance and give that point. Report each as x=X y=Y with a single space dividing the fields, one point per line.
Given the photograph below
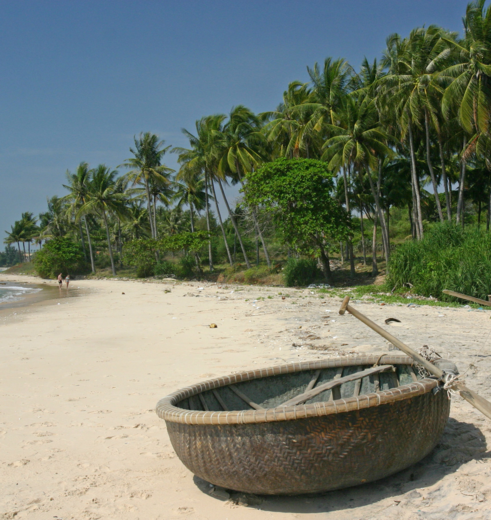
x=234 y=223
x=20 y=254
x=149 y=208
x=448 y=202
x=363 y=236
x=460 y=203
x=82 y=238
x=109 y=243
x=341 y=249
x=325 y=262
x=374 y=247
x=350 y=243
x=380 y=213
x=155 y=215
x=417 y=194
x=90 y=245
x=257 y=248
x=221 y=223
x=210 y=253
x=120 y=244
x=430 y=167
x=235 y=247
x=256 y=222
x=259 y=232
x=411 y=221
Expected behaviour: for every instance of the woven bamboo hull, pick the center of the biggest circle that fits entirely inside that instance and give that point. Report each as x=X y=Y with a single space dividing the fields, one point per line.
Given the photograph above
x=321 y=450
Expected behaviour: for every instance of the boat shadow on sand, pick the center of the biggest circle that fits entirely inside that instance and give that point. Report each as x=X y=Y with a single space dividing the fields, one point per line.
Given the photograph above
x=461 y=442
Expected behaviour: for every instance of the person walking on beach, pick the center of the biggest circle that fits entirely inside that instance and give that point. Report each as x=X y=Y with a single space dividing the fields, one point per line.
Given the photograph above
x=67 y=280
x=60 y=280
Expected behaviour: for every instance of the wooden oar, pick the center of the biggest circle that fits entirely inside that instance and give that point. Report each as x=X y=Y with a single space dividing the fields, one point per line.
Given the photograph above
x=474 y=399
x=465 y=297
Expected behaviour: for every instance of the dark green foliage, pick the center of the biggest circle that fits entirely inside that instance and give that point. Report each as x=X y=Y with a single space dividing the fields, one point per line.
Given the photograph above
x=301 y=271
x=59 y=255
x=164 y=268
x=9 y=256
x=448 y=257
x=143 y=254
x=299 y=195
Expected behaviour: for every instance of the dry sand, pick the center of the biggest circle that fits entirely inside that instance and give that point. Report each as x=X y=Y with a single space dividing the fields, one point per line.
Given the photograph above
x=79 y=382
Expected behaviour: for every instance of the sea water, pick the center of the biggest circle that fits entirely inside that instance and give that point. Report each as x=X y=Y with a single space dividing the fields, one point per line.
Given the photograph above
x=11 y=292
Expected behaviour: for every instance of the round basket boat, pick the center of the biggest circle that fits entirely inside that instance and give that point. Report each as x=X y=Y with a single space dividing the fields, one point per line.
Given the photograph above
x=307 y=427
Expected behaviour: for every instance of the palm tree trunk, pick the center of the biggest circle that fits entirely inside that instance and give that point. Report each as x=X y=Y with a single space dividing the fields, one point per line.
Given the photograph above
x=460 y=203
x=210 y=253
x=380 y=213
x=29 y=242
x=90 y=245
x=234 y=223
x=109 y=243
x=430 y=167
x=256 y=221
x=155 y=215
x=221 y=223
x=350 y=242
x=448 y=202
x=417 y=194
x=257 y=248
x=149 y=208
x=20 y=254
x=363 y=236
x=196 y=255
x=374 y=247
x=82 y=239
x=259 y=232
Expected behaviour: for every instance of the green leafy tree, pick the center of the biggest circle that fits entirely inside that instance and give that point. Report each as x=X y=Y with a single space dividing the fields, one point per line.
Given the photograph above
x=298 y=194
x=59 y=255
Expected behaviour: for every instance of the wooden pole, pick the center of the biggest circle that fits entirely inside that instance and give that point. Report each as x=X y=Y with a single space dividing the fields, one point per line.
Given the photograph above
x=465 y=297
x=471 y=397
x=397 y=343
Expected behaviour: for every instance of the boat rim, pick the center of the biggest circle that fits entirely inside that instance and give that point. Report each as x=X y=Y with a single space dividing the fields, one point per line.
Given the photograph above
x=166 y=408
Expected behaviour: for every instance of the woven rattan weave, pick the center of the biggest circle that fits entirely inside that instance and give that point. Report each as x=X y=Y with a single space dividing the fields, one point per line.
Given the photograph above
x=335 y=440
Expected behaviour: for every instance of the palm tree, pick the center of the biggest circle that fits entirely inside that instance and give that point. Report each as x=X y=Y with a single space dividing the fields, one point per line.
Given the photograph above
x=469 y=91
x=30 y=230
x=410 y=91
x=146 y=167
x=15 y=235
x=241 y=153
x=202 y=155
x=359 y=143
x=78 y=186
x=289 y=127
x=104 y=199
x=190 y=191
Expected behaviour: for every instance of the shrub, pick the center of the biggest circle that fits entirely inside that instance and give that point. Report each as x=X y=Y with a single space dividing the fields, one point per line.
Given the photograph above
x=183 y=269
x=165 y=268
x=448 y=257
x=60 y=255
x=301 y=272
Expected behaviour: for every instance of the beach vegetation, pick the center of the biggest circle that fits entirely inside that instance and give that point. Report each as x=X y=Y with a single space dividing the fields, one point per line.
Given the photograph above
x=60 y=255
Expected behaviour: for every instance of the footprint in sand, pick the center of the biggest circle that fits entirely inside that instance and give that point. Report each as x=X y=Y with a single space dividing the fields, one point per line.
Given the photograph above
x=19 y=463
x=183 y=510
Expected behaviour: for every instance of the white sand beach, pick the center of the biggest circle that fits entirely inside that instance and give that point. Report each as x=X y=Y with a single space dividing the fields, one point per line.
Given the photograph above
x=80 y=377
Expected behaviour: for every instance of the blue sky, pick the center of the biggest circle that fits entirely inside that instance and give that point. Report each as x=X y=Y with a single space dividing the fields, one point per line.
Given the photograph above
x=80 y=78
